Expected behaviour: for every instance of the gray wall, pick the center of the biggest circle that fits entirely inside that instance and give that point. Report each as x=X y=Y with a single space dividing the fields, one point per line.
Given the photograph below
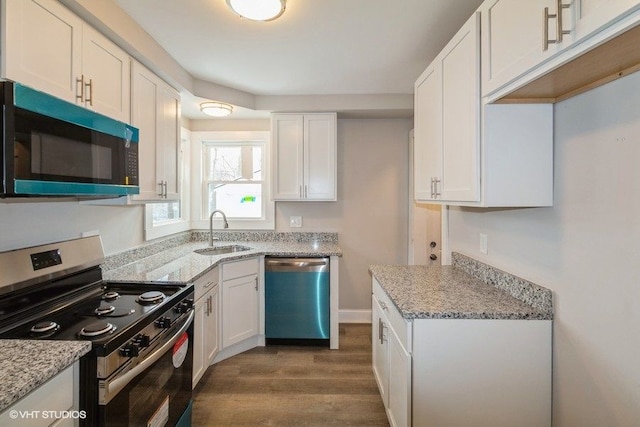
x=587 y=250
x=370 y=214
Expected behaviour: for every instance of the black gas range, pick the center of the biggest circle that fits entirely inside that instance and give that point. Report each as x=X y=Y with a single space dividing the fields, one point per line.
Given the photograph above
x=139 y=369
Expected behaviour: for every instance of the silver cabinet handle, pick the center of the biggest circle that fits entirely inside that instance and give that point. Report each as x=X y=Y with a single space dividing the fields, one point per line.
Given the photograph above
x=306 y=193
x=89 y=87
x=432 y=192
x=560 y=32
x=435 y=188
x=163 y=189
x=256 y=279
x=80 y=85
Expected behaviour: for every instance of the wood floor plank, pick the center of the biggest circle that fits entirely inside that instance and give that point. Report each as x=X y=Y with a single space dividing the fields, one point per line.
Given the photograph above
x=294 y=386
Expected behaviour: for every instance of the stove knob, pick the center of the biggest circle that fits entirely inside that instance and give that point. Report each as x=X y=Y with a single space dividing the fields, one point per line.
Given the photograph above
x=130 y=350
x=163 y=322
x=183 y=307
x=142 y=340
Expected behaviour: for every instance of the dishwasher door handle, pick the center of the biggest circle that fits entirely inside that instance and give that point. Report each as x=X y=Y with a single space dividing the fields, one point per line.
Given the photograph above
x=297 y=263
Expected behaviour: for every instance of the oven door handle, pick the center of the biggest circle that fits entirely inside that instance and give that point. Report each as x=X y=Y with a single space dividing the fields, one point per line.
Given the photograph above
x=114 y=386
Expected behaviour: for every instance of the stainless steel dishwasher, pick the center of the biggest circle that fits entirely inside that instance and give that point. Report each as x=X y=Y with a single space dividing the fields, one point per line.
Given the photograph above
x=297 y=300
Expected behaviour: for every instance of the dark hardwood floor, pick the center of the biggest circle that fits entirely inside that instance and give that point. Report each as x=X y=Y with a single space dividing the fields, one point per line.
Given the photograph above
x=294 y=386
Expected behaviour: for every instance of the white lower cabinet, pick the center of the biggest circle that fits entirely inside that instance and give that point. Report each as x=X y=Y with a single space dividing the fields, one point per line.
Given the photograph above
x=461 y=372
x=240 y=308
x=59 y=395
x=207 y=322
x=391 y=360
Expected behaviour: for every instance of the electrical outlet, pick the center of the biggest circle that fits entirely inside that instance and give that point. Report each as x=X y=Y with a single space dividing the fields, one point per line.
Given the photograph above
x=484 y=244
x=295 y=221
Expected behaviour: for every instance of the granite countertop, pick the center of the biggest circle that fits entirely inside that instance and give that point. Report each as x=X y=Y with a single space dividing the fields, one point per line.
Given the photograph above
x=27 y=364
x=180 y=264
x=448 y=292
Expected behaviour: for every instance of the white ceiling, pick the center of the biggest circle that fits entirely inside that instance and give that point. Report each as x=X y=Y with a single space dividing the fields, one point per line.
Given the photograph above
x=318 y=47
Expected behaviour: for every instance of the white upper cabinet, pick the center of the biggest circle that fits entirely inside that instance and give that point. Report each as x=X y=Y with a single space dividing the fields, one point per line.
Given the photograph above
x=460 y=61
x=593 y=15
x=428 y=131
x=586 y=43
x=514 y=38
x=304 y=150
x=47 y=47
x=156 y=113
x=469 y=153
x=106 y=70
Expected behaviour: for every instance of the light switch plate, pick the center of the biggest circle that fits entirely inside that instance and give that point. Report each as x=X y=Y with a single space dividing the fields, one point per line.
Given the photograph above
x=484 y=243
x=295 y=221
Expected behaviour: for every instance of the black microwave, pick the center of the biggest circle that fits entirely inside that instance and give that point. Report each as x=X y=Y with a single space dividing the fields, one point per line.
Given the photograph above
x=51 y=147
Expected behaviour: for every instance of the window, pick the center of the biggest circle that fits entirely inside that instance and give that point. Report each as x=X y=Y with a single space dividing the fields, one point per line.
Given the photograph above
x=235 y=179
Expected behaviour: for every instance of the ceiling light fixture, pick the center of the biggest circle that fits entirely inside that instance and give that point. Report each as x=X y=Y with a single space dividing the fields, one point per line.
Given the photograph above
x=258 y=10
x=216 y=109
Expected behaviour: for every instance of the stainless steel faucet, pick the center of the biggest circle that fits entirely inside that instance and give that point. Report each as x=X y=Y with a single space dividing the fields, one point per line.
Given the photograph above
x=224 y=218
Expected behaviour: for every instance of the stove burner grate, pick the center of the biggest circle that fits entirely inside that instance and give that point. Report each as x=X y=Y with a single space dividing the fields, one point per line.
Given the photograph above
x=151 y=297
x=45 y=327
x=104 y=309
x=97 y=328
x=110 y=296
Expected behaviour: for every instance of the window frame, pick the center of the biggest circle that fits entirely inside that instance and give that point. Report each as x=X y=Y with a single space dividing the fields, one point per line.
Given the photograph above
x=199 y=142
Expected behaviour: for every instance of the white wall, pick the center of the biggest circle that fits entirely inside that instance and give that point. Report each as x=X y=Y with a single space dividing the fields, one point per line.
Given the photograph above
x=587 y=250
x=371 y=212
x=35 y=223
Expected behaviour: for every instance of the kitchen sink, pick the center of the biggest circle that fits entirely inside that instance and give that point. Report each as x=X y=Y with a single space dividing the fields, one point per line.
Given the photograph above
x=221 y=250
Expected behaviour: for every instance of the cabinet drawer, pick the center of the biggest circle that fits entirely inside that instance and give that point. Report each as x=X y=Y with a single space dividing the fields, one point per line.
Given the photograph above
x=205 y=283
x=399 y=324
x=231 y=270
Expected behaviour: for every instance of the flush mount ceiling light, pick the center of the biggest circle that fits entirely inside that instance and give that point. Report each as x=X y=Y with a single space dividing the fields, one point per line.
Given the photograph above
x=258 y=10
x=216 y=109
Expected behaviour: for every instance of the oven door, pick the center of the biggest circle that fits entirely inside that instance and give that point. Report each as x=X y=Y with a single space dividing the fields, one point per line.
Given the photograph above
x=156 y=392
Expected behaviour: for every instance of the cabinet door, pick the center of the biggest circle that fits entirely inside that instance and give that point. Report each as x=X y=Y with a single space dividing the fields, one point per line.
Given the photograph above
x=287 y=133
x=155 y=112
x=144 y=102
x=461 y=115
x=319 y=157
x=428 y=132
x=239 y=309
x=199 y=326
x=106 y=70
x=42 y=46
x=399 y=407
x=212 y=324
x=169 y=140
x=512 y=32
x=593 y=15
x=380 y=349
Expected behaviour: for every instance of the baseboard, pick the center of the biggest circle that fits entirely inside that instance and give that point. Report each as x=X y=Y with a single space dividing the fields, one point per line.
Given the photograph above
x=355 y=316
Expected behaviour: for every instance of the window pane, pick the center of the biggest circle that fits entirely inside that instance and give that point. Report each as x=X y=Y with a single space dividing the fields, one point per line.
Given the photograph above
x=164 y=212
x=239 y=163
x=238 y=200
